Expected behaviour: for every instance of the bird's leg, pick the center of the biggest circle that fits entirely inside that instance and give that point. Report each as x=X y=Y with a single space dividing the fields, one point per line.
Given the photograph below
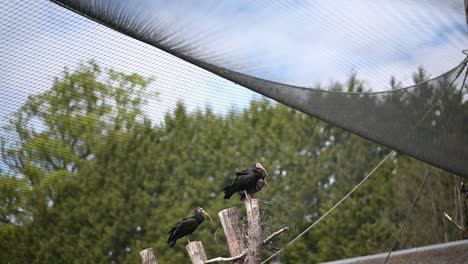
x=188 y=239
x=247 y=196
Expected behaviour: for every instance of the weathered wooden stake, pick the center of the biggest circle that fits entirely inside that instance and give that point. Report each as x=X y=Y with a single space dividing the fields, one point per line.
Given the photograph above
x=254 y=232
x=233 y=230
x=242 y=249
x=196 y=252
x=148 y=257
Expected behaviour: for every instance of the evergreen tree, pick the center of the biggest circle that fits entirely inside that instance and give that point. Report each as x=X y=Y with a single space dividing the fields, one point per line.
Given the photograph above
x=91 y=179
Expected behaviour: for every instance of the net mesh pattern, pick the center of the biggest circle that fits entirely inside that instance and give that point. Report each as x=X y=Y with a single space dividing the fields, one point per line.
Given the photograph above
x=295 y=43
x=127 y=188
x=425 y=121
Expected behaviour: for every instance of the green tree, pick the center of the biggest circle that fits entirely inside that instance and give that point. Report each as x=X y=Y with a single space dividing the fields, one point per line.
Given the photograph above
x=91 y=179
x=59 y=134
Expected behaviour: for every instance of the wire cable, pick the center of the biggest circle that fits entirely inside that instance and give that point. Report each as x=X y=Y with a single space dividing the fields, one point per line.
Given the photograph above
x=332 y=208
x=365 y=178
x=408 y=215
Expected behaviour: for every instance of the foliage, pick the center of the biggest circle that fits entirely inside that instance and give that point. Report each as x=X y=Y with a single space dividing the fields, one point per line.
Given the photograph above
x=91 y=179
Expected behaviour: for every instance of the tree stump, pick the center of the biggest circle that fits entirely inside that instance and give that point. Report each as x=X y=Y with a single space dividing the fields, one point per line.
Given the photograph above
x=196 y=252
x=233 y=230
x=254 y=232
x=148 y=257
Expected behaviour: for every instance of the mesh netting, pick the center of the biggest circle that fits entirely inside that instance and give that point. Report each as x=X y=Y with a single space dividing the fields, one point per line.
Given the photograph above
x=107 y=141
x=296 y=43
x=424 y=121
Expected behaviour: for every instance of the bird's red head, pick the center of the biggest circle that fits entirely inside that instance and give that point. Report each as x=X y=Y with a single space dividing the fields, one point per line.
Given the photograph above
x=258 y=165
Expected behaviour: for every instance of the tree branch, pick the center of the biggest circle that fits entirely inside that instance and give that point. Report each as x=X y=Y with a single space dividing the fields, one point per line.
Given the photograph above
x=453 y=222
x=51 y=161
x=218 y=259
x=268 y=239
x=244 y=253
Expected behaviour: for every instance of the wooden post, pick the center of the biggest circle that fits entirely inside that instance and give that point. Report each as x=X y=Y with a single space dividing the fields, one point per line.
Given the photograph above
x=254 y=232
x=241 y=251
x=196 y=252
x=233 y=230
x=148 y=257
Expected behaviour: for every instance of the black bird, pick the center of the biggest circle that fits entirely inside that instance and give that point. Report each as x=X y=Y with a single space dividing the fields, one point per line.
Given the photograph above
x=187 y=226
x=258 y=187
x=246 y=181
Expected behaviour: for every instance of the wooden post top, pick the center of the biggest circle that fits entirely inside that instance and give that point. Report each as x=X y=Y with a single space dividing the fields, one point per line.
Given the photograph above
x=196 y=252
x=148 y=257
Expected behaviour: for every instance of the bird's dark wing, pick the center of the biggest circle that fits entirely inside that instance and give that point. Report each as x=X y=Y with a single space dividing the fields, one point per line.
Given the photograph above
x=182 y=228
x=240 y=183
x=244 y=172
x=188 y=225
x=252 y=188
x=243 y=179
x=180 y=223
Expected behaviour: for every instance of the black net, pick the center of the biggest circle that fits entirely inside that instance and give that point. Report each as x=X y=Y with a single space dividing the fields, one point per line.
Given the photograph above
x=107 y=142
x=293 y=43
x=425 y=121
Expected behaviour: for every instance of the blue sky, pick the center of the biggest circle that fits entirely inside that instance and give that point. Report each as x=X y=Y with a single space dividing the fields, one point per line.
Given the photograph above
x=42 y=38
x=304 y=42
x=297 y=42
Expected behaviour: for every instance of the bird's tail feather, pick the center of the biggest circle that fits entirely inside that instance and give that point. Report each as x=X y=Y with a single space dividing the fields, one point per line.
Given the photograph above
x=228 y=192
x=171 y=237
x=172 y=243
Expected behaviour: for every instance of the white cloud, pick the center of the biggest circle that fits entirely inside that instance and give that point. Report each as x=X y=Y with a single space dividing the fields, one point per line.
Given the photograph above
x=301 y=43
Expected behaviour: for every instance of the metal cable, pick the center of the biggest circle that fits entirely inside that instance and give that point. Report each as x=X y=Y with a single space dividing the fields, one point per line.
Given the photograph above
x=365 y=178
x=333 y=208
x=408 y=215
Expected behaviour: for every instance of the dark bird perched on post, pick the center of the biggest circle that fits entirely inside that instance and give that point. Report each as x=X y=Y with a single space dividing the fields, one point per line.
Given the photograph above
x=252 y=189
x=187 y=226
x=248 y=182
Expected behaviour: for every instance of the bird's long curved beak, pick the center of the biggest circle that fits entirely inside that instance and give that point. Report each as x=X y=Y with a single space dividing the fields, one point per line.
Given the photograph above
x=261 y=167
x=268 y=185
x=205 y=213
